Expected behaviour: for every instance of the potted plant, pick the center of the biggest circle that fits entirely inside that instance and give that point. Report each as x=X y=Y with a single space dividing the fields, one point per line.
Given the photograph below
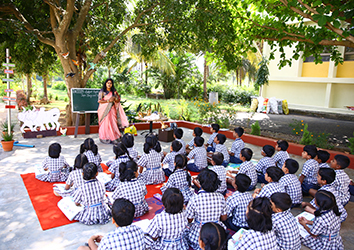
x=4 y=127
x=8 y=141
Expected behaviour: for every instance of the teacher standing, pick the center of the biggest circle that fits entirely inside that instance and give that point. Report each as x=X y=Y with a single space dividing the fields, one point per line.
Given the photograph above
x=111 y=116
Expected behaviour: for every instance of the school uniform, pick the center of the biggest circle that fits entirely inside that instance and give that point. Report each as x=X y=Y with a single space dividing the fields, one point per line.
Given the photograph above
x=55 y=169
x=221 y=172
x=292 y=187
x=211 y=142
x=75 y=178
x=262 y=166
x=169 y=229
x=134 y=191
x=222 y=149
x=236 y=148
x=191 y=144
x=271 y=188
x=236 y=210
x=199 y=154
x=91 y=157
x=323 y=165
x=248 y=169
x=256 y=240
x=153 y=173
x=133 y=153
x=182 y=151
x=178 y=179
x=341 y=184
x=123 y=238
x=280 y=158
x=114 y=169
x=91 y=195
x=170 y=160
x=286 y=230
x=326 y=227
x=204 y=207
x=309 y=170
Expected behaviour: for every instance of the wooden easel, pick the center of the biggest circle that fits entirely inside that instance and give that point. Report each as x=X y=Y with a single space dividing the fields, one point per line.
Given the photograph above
x=87 y=123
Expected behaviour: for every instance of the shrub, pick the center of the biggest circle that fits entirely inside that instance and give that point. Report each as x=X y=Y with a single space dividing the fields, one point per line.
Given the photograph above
x=142 y=89
x=238 y=95
x=351 y=144
x=50 y=96
x=66 y=99
x=306 y=138
x=59 y=86
x=56 y=98
x=256 y=128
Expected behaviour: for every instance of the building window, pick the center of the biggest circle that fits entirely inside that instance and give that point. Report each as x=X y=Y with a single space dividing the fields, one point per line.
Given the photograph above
x=349 y=54
x=326 y=55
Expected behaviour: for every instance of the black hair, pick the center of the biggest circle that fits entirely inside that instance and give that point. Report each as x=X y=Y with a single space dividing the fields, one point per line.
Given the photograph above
x=268 y=150
x=94 y=149
x=221 y=138
x=215 y=127
x=342 y=160
x=176 y=145
x=275 y=173
x=128 y=140
x=54 y=150
x=199 y=141
x=283 y=145
x=127 y=170
x=87 y=145
x=90 y=171
x=292 y=165
x=123 y=212
x=178 y=133
x=80 y=161
x=151 y=142
x=323 y=155
x=259 y=216
x=104 y=87
x=326 y=201
x=239 y=131
x=247 y=153
x=181 y=162
x=209 y=180
x=311 y=150
x=119 y=149
x=218 y=158
x=173 y=201
x=213 y=236
x=198 y=131
x=327 y=174
x=242 y=182
x=281 y=200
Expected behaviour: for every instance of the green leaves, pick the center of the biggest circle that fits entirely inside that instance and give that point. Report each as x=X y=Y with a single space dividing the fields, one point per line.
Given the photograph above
x=322 y=21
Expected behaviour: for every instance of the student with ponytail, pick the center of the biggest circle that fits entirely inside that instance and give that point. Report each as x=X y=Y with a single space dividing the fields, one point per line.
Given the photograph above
x=212 y=237
x=90 y=149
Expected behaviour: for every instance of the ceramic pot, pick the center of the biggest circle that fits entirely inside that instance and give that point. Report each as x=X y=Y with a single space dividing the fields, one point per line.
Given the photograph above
x=7 y=145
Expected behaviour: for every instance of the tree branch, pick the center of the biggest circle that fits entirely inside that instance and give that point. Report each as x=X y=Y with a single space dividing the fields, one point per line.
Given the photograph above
x=81 y=19
x=54 y=12
x=67 y=16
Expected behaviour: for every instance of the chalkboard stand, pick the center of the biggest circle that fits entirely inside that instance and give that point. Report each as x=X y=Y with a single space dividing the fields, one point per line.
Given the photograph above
x=87 y=123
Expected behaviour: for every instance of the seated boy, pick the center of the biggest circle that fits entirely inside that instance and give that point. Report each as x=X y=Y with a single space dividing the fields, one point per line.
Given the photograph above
x=196 y=132
x=219 y=169
x=290 y=182
x=214 y=129
x=178 y=134
x=272 y=176
x=221 y=148
x=126 y=236
x=322 y=158
x=308 y=177
x=266 y=162
x=237 y=146
x=170 y=157
x=342 y=181
x=199 y=155
x=282 y=154
x=237 y=203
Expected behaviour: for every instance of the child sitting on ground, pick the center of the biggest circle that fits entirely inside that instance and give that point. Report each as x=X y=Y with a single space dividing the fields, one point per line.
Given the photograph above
x=237 y=203
x=266 y=162
x=272 y=176
x=284 y=223
x=178 y=134
x=220 y=147
x=170 y=157
x=290 y=182
x=56 y=165
x=342 y=182
x=90 y=149
x=180 y=178
x=206 y=206
x=219 y=169
x=151 y=161
x=237 y=145
x=324 y=233
x=91 y=195
x=128 y=142
x=246 y=167
x=212 y=236
x=199 y=154
x=322 y=158
x=131 y=188
x=167 y=228
x=214 y=129
x=126 y=235
x=308 y=177
x=259 y=219
x=196 y=132
x=280 y=157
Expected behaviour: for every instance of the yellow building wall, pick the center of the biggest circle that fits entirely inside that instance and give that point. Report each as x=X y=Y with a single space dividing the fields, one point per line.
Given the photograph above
x=304 y=93
x=346 y=69
x=287 y=71
x=310 y=69
x=342 y=95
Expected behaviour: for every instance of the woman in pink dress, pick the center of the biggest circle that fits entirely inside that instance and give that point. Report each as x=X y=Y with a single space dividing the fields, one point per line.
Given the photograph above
x=111 y=116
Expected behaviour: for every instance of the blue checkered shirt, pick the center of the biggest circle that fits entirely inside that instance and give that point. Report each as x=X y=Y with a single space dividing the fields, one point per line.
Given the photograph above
x=341 y=184
x=236 y=207
x=237 y=146
x=271 y=188
x=265 y=163
x=183 y=148
x=170 y=160
x=221 y=172
x=280 y=158
x=292 y=186
x=222 y=149
x=309 y=170
x=248 y=169
x=199 y=155
x=255 y=240
x=211 y=140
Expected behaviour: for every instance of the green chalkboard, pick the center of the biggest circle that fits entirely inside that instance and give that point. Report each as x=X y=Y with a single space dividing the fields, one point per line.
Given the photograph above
x=84 y=100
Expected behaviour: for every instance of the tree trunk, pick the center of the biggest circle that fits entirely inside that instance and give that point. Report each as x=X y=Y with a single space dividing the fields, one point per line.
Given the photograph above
x=205 y=79
x=29 y=88
x=146 y=74
x=45 y=93
x=240 y=81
